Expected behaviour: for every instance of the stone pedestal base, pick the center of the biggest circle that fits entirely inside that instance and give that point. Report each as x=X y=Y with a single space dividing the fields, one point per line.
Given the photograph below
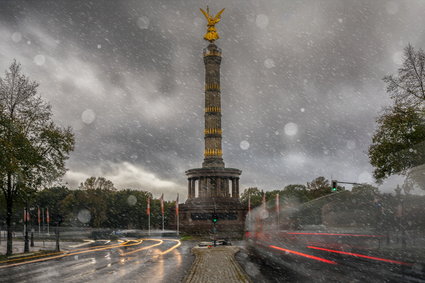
x=196 y=214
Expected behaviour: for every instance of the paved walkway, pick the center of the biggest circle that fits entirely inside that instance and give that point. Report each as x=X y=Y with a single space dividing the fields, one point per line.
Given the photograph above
x=216 y=265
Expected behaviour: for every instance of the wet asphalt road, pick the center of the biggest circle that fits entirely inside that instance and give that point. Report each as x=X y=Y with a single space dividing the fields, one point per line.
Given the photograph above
x=146 y=261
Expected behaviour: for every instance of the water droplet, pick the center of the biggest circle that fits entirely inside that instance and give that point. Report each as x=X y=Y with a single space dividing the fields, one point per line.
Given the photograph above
x=398 y=58
x=39 y=59
x=351 y=145
x=84 y=216
x=131 y=200
x=16 y=36
x=291 y=129
x=143 y=22
x=88 y=116
x=244 y=145
x=262 y=21
x=392 y=7
x=269 y=63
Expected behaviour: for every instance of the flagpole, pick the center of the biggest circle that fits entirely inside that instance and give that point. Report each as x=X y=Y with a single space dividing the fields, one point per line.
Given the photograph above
x=162 y=210
x=148 y=212
x=178 y=225
x=42 y=216
x=277 y=209
x=249 y=211
x=48 y=220
x=177 y=213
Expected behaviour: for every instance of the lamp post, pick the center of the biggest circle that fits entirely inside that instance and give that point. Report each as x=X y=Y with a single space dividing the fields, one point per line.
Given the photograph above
x=26 y=240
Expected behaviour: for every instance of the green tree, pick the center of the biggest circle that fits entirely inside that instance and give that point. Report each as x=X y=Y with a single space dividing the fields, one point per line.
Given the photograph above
x=255 y=194
x=318 y=187
x=97 y=192
x=399 y=142
x=53 y=198
x=365 y=189
x=33 y=149
x=295 y=191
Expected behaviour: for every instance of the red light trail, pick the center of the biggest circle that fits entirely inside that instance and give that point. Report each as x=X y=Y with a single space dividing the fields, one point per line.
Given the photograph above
x=332 y=234
x=359 y=255
x=302 y=254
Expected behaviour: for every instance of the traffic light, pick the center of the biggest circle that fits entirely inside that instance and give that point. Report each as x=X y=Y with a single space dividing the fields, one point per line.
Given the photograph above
x=334 y=186
x=214 y=218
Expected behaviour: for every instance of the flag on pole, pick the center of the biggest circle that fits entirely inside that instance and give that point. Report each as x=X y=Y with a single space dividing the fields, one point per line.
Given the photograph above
x=28 y=216
x=162 y=204
x=277 y=210
x=47 y=216
x=25 y=215
x=148 y=212
x=38 y=216
x=277 y=204
x=249 y=203
x=162 y=210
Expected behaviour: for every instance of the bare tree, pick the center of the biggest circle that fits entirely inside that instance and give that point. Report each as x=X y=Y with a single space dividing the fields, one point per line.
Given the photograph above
x=33 y=149
x=408 y=87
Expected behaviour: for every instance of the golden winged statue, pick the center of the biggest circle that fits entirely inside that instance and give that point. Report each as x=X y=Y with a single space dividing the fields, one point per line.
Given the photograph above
x=211 y=34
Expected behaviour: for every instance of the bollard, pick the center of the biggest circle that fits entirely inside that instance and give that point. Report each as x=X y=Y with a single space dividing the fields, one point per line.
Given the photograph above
x=32 y=238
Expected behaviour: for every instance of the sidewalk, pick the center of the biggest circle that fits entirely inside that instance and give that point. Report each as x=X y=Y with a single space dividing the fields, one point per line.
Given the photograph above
x=18 y=246
x=216 y=265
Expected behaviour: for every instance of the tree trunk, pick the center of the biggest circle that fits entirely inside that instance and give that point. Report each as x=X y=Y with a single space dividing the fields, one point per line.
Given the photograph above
x=9 y=226
x=9 y=213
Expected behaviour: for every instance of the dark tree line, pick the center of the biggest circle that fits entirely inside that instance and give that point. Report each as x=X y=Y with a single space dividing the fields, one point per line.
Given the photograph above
x=95 y=206
x=298 y=193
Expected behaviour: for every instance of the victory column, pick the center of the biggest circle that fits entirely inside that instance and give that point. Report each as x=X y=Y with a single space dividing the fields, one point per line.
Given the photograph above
x=213 y=189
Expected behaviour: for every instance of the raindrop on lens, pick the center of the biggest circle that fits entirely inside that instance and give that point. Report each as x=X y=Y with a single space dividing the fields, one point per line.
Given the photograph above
x=88 y=116
x=143 y=22
x=291 y=129
x=244 y=145
x=262 y=21
x=84 y=216
x=16 y=36
x=131 y=200
x=39 y=59
x=269 y=63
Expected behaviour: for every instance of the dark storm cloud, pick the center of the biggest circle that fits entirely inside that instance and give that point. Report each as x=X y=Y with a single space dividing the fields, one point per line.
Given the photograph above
x=301 y=83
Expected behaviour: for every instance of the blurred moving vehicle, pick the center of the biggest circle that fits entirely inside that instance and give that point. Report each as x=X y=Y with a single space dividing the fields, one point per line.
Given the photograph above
x=361 y=237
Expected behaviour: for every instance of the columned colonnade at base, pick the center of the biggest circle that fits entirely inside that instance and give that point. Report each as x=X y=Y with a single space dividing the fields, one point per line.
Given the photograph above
x=213 y=187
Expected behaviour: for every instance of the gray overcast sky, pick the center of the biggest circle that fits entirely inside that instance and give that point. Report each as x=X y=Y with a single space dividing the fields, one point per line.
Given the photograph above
x=301 y=83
